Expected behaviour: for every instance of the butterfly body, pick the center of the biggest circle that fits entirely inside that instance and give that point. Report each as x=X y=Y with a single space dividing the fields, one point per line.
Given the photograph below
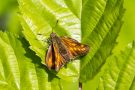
x=63 y=49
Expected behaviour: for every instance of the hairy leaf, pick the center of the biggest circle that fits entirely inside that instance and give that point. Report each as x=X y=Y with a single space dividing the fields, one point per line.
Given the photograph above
x=101 y=37
x=119 y=73
x=75 y=6
x=21 y=69
x=38 y=18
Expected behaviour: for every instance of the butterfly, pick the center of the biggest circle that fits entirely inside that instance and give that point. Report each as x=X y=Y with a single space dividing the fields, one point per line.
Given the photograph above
x=62 y=50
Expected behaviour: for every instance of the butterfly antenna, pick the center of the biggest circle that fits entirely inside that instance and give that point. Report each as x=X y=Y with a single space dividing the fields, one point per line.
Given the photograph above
x=55 y=25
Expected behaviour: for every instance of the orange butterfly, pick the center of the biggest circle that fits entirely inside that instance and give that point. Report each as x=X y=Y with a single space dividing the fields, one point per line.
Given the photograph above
x=63 y=49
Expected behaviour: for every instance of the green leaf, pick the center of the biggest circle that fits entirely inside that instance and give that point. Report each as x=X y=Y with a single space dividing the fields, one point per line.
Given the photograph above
x=21 y=69
x=119 y=73
x=102 y=33
x=38 y=18
x=10 y=76
x=74 y=6
x=17 y=70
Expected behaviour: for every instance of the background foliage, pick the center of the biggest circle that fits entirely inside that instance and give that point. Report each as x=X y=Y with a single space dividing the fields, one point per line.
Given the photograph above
x=26 y=24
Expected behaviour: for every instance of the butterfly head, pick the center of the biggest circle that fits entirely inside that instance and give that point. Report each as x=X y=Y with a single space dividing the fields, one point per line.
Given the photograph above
x=52 y=35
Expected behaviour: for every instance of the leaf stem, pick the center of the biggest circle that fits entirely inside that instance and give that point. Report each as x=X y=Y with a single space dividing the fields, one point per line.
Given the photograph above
x=80 y=86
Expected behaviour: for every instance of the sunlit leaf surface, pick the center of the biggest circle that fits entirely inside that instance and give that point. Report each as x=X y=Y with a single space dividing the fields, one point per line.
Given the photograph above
x=119 y=73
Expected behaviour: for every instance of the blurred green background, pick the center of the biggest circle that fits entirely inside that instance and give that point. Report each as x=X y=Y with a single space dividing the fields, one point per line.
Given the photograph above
x=127 y=33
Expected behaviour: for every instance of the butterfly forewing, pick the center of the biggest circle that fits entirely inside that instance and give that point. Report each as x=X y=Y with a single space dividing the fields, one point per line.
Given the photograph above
x=74 y=47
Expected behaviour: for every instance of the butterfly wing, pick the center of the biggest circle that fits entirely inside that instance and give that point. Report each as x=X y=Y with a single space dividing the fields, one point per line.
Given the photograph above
x=50 y=58
x=59 y=60
x=54 y=60
x=74 y=47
